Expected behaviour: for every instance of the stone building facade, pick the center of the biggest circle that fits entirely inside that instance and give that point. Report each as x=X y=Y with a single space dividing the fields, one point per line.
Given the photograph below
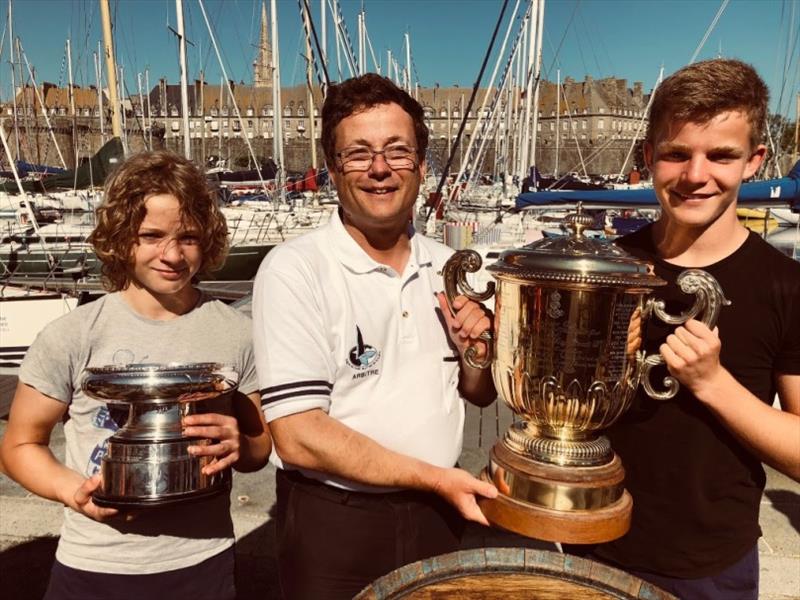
x=597 y=120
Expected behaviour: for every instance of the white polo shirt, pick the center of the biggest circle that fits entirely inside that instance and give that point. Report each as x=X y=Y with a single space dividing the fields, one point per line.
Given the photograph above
x=338 y=331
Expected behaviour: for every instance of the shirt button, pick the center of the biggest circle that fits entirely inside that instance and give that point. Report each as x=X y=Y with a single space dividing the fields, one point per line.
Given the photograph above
x=405 y=314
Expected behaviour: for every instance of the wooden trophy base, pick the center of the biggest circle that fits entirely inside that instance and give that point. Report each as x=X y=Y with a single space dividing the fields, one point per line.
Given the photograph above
x=576 y=505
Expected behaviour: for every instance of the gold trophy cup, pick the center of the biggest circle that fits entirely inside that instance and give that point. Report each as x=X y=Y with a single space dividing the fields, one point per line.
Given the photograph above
x=566 y=358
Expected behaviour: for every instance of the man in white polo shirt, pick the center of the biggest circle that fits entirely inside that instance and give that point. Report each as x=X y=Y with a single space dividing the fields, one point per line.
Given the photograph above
x=360 y=364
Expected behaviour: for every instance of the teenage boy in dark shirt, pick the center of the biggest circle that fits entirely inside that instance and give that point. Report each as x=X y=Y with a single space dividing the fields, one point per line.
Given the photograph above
x=693 y=464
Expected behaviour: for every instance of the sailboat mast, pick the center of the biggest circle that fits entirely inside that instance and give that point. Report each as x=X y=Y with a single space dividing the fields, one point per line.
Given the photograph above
x=111 y=69
x=558 y=116
x=98 y=73
x=797 y=129
x=149 y=110
x=187 y=141
x=408 y=62
x=362 y=55
x=277 y=127
x=13 y=83
x=323 y=15
x=536 y=76
x=310 y=82
x=71 y=93
x=526 y=160
x=141 y=103
x=203 y=117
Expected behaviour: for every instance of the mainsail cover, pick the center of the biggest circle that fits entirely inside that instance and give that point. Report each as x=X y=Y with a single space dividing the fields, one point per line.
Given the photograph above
x=91 y=173
x=771 y=192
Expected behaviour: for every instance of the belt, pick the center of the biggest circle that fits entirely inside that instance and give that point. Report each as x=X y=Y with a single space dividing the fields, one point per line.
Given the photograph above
x=342 y=496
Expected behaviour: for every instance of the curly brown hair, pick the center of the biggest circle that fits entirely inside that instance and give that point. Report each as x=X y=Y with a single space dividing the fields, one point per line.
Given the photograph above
x=359 y=94
x=123 y=210
x=699 y=92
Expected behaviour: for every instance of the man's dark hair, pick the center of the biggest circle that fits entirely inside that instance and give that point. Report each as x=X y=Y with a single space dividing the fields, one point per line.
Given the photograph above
x=362 y=93
x=699 y=92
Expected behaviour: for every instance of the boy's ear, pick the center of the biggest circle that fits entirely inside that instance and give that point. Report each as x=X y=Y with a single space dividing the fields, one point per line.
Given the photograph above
x=754 y=162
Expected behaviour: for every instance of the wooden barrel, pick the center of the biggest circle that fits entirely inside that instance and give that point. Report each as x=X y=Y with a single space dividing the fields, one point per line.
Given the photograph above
x=507 y=573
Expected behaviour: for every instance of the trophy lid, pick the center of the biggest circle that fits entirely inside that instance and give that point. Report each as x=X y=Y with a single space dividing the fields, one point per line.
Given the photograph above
x=575 y=258
x=159 y=383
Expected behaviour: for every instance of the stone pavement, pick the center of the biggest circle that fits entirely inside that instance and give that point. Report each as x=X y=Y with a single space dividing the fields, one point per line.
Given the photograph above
x=29 y=526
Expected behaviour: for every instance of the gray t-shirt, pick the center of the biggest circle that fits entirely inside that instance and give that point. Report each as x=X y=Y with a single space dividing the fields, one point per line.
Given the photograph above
x=107 y=332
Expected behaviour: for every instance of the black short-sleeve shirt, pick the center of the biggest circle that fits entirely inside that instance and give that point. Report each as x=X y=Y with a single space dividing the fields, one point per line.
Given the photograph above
x=696 y=489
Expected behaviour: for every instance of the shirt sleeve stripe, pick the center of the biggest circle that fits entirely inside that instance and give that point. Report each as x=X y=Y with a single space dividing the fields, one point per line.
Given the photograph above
x=295 y=384
x=304 y=392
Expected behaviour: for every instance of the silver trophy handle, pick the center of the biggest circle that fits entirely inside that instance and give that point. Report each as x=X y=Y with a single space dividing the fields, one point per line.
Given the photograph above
x=709 y=300
x=455 y=284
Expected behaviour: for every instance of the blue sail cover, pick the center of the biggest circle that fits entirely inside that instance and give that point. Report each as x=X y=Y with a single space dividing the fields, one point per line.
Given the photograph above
x=772 y=192
x=25 y=167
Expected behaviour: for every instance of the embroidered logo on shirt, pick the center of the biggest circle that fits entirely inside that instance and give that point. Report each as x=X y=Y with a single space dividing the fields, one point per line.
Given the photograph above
x=363 y=357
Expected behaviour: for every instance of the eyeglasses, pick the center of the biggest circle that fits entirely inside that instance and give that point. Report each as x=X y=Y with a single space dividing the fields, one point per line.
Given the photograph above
x=359 y=158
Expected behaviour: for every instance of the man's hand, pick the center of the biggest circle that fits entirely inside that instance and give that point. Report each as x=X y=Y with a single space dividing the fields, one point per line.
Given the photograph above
x=460 y=488
x=223 y=430
x=82 y=501
x=692 y=356
x=466 y=327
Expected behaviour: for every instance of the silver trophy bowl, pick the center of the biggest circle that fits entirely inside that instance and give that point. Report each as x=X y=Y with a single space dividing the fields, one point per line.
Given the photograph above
x=147 y=462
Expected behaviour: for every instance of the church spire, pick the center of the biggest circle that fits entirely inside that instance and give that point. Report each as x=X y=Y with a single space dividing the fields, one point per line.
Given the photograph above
x=262 y=66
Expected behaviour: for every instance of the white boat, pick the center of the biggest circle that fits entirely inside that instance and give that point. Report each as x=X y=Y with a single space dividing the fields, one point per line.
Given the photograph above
x=23 y=314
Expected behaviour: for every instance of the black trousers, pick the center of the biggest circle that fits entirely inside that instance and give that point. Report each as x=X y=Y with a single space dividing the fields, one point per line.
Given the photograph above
x=332 y=543
x=212 y=579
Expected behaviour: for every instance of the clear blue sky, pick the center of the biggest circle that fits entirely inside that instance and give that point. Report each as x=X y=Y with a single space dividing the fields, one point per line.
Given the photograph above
x=623 y=38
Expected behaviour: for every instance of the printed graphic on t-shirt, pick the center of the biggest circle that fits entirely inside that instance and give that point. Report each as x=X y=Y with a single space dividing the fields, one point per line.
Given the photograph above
x=110 y=420
x=363 y=357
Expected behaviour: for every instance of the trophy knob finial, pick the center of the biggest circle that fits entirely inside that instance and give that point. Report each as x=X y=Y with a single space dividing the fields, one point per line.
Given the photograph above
x=578 y=221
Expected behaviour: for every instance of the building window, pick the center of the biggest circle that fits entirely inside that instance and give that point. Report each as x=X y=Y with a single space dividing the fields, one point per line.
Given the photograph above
x=250 y=123
x=214 y=111
x=287 y=112
x=583 y=124
x=301 y=112
x=600 y=124
x=564 y=125
x=250 y=111
x=552 y=126
x=225 y=111
x=443 y=113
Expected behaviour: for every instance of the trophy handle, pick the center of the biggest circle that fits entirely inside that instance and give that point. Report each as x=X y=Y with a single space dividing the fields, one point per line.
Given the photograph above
x=709 y=300
x=455 y=284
